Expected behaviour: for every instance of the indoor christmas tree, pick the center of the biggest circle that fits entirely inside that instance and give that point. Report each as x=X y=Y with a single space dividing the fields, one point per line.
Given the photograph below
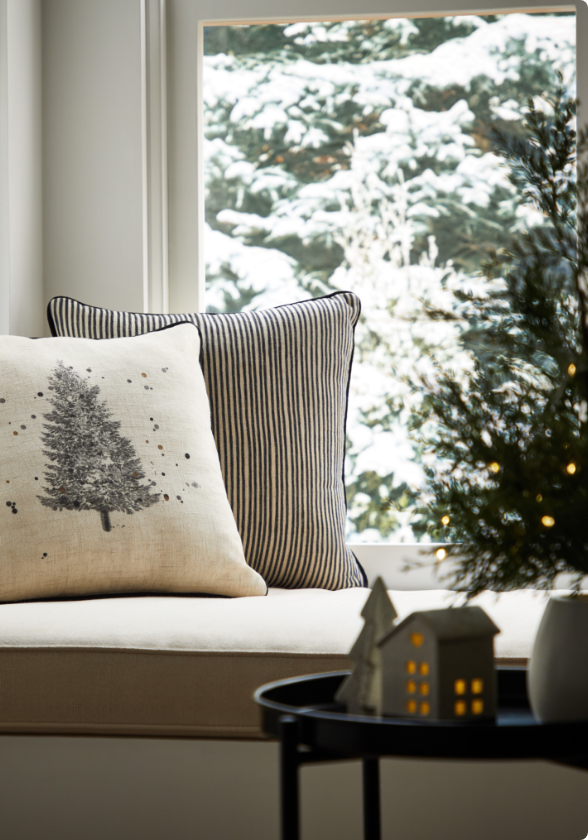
x=362 y=690
x=92 y=466
x=510 y=436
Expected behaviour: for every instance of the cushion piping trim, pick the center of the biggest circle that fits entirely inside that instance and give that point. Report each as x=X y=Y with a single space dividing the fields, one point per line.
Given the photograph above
x=164 y=652
x=211 y=314
x=514 y=661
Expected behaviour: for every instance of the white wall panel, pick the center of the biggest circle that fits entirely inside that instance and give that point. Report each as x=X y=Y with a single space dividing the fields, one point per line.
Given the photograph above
x=4 y=215
x=24 y=176
x=92 y=162
x=21 y=240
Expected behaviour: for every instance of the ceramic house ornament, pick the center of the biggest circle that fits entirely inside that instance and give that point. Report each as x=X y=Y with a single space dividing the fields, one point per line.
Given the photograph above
x=362 y=690
x=439 y=665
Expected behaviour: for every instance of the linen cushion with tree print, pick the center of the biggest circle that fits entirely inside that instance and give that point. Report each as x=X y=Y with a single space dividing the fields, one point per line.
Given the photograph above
x=110 y=473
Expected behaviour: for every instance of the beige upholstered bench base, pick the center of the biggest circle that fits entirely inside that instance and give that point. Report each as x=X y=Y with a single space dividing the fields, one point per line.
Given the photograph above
x=188 y=667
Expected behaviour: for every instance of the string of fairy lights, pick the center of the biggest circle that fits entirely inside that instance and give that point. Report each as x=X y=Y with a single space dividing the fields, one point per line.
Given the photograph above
x=547 y=521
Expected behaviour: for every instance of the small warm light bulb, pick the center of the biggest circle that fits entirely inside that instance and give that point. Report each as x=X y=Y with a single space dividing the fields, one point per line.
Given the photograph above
x=445 y=520
x=460 y=686
x=494 y=467
x=572 y=370
x=539 y=497
x=548 y=521
x=571 y=468
x=440 y=554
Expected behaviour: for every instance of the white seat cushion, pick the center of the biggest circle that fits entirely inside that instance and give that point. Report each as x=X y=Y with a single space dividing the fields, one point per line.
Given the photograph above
x=189 y=666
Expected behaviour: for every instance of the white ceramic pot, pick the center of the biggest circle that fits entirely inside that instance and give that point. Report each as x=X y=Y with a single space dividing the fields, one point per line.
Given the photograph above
x=558 y=671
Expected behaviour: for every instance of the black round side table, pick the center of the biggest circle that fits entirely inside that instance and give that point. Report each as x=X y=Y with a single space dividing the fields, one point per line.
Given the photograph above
x=312 y=727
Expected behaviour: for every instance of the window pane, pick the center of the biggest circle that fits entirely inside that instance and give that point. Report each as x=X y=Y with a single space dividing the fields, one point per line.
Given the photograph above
x=356 y=155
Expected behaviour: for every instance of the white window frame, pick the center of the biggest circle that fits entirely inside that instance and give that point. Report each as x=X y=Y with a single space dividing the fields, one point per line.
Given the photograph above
x=174 y=167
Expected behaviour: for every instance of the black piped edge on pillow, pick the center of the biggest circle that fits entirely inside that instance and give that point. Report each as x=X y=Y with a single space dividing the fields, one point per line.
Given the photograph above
x=50 y=320
x=359 y=566
x=169 y=326
x=159 y=329
x=209 y=314
x=151 y=332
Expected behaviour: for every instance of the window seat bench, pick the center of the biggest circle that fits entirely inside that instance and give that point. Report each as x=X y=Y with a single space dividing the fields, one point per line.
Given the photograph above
x=177 y=666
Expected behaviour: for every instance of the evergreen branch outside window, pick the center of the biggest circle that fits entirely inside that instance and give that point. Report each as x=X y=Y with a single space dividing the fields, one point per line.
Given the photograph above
x=510 y=479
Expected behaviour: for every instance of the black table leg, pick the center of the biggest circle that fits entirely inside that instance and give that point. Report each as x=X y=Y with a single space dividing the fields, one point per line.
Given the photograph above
x=289 y=778
x=371 y=799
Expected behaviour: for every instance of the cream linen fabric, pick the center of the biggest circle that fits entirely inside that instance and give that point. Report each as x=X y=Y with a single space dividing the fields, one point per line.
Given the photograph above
x=189 y=666
x=110 y=476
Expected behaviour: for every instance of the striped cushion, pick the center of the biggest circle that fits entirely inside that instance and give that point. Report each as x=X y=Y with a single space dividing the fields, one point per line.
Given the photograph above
x=277 y=381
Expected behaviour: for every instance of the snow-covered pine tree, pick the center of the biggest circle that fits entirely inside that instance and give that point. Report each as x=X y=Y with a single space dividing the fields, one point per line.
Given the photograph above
x=93 y=467
x=361 y=692
x=309 y=128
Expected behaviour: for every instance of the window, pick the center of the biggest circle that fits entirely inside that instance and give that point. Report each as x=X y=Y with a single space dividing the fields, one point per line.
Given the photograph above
x=355 y=154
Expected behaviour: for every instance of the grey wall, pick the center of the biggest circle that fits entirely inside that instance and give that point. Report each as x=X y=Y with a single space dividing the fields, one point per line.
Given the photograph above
x=108 y=789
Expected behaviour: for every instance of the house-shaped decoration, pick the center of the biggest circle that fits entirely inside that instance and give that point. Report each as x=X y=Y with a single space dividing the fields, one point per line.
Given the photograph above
x=439 y=665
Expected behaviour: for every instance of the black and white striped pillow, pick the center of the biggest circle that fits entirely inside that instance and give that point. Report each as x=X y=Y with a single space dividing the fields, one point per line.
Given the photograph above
x=277 y=381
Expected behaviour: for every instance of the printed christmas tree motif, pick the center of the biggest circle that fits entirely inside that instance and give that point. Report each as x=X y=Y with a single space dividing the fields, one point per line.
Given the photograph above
x=93 y=467
x=361 y=692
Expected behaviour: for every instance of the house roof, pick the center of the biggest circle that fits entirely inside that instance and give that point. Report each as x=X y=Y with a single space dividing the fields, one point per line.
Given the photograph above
x=449 y=624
